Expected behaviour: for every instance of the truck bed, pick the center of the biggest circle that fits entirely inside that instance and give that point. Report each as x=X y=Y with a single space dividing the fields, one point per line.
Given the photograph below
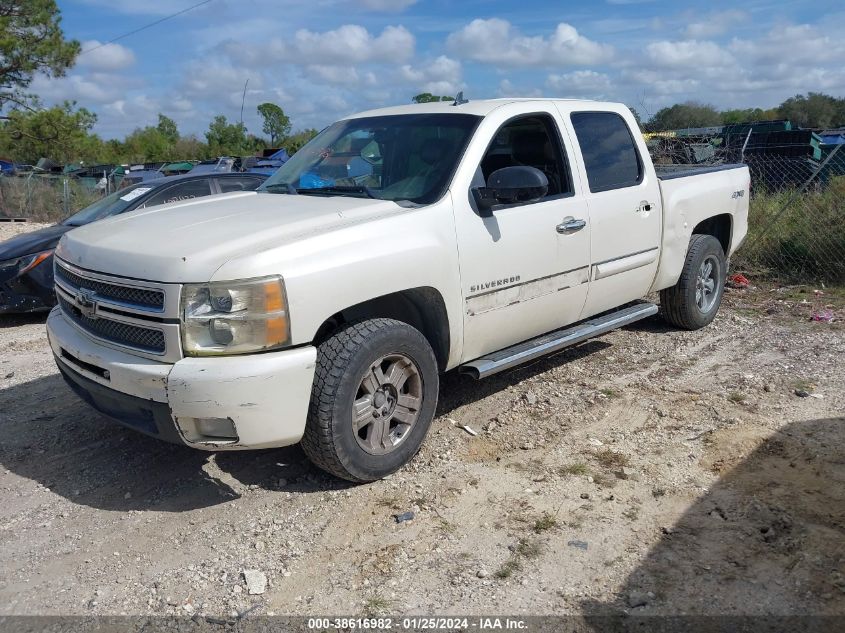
x=668 y=172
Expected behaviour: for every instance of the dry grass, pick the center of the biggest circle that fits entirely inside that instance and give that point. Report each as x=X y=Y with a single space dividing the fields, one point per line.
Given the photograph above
x=546 y=522
x=578 y=468
x=610 y=459
x=42 y=199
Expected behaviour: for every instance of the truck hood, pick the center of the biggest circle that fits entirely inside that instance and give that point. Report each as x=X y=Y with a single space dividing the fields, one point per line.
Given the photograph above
x=188 y=242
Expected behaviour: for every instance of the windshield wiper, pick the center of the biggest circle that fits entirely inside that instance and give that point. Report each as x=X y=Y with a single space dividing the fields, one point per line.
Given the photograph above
x=281 y=187
x=340 y=189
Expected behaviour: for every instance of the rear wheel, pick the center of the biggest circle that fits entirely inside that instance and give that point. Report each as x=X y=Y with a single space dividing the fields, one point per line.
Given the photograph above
x=374 y=395
x=694 y=301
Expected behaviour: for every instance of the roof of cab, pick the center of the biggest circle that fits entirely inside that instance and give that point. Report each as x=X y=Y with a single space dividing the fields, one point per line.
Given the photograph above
x=481 y=107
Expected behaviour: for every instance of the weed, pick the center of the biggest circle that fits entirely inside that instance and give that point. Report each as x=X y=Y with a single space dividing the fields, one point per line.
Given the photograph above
x=804 y=384
x=507 y=569
x=526 y=549
x=376 y=605
x=611 y=459
x=578 y=468
x=632 y=513
x=545 y=522
x=610 y=393
x=394 y=503
x=737 y=397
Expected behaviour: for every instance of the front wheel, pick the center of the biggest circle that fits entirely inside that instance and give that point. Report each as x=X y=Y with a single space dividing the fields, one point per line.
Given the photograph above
x=694 y=301
x=374 y=396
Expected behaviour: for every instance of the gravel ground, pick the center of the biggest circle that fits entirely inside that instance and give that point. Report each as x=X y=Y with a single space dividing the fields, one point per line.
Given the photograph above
x=650 y=471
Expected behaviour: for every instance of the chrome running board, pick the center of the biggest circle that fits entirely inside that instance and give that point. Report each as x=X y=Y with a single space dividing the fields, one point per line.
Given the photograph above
x=556 y=341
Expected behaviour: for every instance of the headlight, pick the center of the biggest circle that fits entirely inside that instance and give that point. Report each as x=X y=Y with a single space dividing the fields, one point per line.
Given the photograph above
x=20 y=265
x=234 y=317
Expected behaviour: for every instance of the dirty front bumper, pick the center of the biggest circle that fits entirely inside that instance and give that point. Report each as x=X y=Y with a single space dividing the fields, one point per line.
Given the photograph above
x=263 y=398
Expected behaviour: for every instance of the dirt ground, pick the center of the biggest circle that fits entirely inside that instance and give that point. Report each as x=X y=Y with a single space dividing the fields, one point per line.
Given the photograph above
x=649 y=471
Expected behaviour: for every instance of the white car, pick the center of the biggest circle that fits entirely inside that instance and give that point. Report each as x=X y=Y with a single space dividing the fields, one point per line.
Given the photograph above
x=398 y=244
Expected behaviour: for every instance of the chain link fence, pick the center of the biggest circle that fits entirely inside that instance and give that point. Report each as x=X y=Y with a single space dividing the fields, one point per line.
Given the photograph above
x=796 y=224
x=42 y=198
x=797 y=217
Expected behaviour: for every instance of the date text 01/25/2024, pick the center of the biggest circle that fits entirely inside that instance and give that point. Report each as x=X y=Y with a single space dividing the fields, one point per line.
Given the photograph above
x=419 y=623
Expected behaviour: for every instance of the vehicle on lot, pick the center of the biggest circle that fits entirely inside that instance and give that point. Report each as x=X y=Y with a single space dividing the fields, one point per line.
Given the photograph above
x=26 y=260
x=396 y=245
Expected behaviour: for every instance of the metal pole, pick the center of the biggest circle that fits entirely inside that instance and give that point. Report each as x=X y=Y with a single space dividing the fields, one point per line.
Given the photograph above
x=744 y=145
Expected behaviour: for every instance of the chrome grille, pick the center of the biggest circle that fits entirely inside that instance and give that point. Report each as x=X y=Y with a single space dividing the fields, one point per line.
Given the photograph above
x=142 y=338
x=140 y=297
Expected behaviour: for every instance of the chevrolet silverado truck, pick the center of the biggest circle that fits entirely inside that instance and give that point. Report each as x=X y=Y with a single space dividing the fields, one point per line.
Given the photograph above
x=398 y=244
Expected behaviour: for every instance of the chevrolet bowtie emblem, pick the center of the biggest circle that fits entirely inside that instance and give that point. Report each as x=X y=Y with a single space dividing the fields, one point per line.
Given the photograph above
x=86 y=302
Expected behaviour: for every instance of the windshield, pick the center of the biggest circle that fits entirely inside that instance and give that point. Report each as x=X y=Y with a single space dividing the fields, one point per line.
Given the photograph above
x=402 y=157
x=112 y=204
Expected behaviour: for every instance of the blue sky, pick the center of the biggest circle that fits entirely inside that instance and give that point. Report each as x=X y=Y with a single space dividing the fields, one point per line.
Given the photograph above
x=322 y=59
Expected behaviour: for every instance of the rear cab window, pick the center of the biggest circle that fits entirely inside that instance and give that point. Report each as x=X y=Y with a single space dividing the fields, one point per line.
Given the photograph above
x=238 y=183
x=180 y=192
x=611 y=158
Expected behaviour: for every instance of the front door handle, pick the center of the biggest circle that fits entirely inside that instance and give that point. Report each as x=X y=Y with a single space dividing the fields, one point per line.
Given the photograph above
x=570 y=225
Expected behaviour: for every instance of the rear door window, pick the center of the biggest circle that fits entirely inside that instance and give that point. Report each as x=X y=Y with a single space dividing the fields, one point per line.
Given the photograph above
x=610 y=154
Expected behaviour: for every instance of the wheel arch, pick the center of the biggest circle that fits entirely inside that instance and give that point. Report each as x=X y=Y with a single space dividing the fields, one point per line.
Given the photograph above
x=422 y=308
x=719 y=226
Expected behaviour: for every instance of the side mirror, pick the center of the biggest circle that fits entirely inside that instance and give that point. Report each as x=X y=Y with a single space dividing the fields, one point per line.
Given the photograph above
x=510 y=185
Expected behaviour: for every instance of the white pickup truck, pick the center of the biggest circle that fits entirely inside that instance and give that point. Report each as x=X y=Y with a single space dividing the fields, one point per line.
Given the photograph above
x=398 y=244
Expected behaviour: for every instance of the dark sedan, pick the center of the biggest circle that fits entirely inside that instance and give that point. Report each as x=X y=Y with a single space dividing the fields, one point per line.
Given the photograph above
x=26 y=261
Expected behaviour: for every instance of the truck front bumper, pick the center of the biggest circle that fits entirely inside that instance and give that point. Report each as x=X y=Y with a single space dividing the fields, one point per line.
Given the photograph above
x=226 y=402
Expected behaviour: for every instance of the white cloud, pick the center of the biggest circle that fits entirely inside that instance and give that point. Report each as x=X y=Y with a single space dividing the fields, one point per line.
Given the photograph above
x=580 y=83
x=688 y=54
x=496 y=41
x=219 y=82
x=796 y=45
x=352 y=43
x=348 y=44
x=713 y=24
x=105 y=57
x=441 y=76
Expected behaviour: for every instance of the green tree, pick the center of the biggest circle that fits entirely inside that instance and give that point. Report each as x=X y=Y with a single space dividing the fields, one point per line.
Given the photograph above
x=427 y=97
x=294 y=143
x=749 y=115
x=226 y=138
x=636 y=117
x=814 y=110
x=31 y=42
x=684 y=115
x=276 y=122
x=60 y=133
x=147 y=145
x=167 y=128
x=190 y=148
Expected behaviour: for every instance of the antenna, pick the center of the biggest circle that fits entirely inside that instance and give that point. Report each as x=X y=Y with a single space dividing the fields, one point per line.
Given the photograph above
x=459 y=99
x=243 y=99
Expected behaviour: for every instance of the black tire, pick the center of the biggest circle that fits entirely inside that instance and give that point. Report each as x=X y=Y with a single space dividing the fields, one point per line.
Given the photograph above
x=678 y=303
x=342 y=361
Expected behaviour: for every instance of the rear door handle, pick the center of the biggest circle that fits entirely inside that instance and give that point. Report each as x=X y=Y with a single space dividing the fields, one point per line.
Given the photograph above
x=570 y=225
